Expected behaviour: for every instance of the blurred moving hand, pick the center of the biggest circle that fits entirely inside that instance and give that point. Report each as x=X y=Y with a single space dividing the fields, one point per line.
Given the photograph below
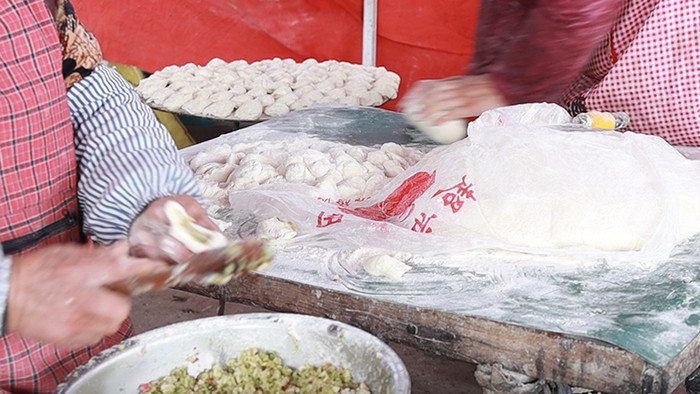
x=57 y=293
x=458 y=97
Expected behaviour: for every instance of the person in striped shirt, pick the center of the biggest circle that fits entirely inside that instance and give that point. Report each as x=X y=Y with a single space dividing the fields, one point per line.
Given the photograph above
x=81 y=157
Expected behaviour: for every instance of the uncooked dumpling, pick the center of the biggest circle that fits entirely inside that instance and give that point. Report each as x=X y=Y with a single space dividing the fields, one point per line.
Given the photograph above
x=386 y=266
x=444 y=133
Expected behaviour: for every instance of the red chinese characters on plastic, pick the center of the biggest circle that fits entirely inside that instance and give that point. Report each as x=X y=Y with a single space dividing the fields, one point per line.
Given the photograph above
x=454 y=196
x=400 y=202
x=325 y=220
x=420 y=224
x=399 y=205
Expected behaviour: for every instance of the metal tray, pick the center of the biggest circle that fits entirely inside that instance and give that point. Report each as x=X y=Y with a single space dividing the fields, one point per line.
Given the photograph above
x=199 y=344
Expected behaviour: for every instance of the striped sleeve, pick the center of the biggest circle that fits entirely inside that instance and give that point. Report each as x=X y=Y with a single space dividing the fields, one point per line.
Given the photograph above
x=126 y=157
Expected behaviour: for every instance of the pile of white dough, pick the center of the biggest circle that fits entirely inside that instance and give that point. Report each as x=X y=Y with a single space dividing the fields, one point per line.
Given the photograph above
x=267 y=88
x=337 y=170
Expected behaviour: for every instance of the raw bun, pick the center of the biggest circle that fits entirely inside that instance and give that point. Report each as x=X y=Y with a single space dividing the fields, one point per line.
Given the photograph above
x=444 y=133
x=279 y=86
x=385 y=265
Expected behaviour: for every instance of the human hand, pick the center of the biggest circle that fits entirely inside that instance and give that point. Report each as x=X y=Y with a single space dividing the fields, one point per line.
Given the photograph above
x=459 y=97
x=167 y=231
x=57 y=293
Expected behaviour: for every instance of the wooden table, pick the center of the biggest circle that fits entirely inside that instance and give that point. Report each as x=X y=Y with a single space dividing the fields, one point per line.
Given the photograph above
x=607 y=327
x=570 y=358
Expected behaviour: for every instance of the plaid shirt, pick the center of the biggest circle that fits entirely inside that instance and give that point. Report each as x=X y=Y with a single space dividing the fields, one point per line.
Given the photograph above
x=100 y=129
x=633 y=56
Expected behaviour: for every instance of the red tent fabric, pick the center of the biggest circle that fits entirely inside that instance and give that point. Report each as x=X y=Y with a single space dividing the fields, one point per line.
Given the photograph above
x=416 y=39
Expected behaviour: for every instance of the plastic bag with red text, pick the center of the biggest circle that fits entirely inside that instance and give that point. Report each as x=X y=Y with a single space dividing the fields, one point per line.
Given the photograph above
x=517 y=183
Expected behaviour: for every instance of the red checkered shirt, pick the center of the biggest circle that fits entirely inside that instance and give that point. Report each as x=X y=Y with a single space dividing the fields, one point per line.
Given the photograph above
x=37 y=157
x=633 y=56
x=38 y=172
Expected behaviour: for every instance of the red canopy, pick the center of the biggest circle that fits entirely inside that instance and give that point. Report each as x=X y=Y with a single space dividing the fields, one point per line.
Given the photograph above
x=416 y=39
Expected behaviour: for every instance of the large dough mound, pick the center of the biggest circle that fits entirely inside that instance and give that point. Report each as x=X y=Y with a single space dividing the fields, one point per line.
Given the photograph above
x=543 y=187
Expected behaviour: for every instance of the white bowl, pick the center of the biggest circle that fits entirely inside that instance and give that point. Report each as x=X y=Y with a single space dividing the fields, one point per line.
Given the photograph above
x=199 y=344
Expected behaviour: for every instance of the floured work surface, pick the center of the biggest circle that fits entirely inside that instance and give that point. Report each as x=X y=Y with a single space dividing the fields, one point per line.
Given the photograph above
x=589 y=323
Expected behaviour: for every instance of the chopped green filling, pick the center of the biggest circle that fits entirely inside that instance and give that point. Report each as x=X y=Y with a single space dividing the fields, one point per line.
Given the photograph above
x=257 y=372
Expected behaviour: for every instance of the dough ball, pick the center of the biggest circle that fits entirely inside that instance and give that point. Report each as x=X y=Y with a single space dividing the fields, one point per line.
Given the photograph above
x=276 y=109
x=314 y=96
x=150 y=85
x=298 y=173
x=390 y=78
x=302 y=90
x=373 y=184
x=177 y=84
x=219 y=109
x=176 y=101
x=257 y=92
x=338 y=75
x=159 y=96
x=392 y=168
x=288 y=99
x=221 y=95
x=281 y=91
x=352 y=169
x=303 y=102
x=336 y=94
x=444 y=133
x=377 y=158
x=189 y=89
x=250 y=110
x=204 y=73
x=238 y=90
x=266 y=100
x=371 y=99
x=351 y=188
x=275 y=229
x=386 y=266
x=215 y=63
x=196 y=106
x=329 y=84
x=349 y=100
x=320 y=168
x=387 y=90
x=239 y=101
x=357 y=88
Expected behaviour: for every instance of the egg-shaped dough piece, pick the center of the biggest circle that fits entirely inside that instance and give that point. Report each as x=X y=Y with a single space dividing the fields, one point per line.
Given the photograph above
x=196 y=105
x=250 y=110
x=219 y=109
x=276 y=109
x=176 y=101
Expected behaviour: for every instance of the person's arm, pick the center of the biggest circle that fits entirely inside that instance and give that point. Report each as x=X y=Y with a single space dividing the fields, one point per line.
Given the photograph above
x=127 y=159
x=66 y=285
x=549 y=49
x=5 y=270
